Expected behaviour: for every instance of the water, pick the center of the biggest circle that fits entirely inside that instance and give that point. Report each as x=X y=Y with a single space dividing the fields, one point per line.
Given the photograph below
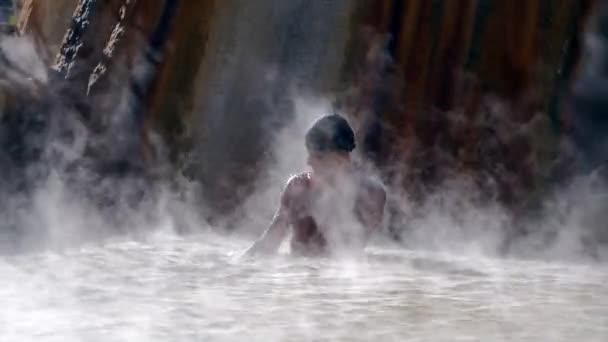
x=195 y=289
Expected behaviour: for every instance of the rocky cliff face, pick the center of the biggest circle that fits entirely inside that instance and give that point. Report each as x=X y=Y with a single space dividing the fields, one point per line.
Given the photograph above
x=436 y=89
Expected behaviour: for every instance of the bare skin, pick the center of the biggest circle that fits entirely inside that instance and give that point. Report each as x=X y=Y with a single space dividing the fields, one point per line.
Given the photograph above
x=302 y=207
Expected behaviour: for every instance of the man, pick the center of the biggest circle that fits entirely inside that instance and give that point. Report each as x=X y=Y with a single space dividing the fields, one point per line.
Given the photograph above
x=332 y=209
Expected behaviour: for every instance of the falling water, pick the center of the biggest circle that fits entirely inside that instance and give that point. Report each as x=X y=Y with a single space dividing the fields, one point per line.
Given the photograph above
x=263 y=52
x=73 y=38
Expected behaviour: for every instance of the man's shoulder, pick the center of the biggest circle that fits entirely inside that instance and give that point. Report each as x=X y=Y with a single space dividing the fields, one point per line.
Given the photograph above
x=299 y=180
x=297 y=184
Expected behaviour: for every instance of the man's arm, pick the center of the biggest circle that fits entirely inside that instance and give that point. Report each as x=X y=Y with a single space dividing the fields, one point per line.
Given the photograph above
x=272 y=237
x=371 y=208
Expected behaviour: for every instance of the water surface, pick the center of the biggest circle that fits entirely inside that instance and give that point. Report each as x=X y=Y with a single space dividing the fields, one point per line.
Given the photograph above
x=195 y=289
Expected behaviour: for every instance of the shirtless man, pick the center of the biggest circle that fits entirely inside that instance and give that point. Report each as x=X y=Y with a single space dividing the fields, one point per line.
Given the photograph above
x=335 y=207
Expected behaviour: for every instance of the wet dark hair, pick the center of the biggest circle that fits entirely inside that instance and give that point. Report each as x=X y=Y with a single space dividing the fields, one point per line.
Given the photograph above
x=330 y=133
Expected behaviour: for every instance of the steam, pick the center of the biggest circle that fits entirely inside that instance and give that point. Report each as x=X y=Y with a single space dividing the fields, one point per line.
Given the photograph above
x=63 y=197
x=456 y=216
x=288 y=158
x=56 y=193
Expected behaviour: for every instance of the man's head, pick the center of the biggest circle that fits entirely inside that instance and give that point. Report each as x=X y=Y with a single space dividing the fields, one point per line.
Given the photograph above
x=329 y=142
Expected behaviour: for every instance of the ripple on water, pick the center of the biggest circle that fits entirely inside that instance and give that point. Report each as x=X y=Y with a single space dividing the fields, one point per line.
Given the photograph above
x=177 y=289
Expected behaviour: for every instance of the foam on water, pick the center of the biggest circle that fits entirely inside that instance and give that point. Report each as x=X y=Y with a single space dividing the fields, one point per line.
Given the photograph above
x=171 y=289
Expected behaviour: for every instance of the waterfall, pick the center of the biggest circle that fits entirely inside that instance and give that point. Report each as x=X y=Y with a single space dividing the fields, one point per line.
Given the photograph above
x=261 y=52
